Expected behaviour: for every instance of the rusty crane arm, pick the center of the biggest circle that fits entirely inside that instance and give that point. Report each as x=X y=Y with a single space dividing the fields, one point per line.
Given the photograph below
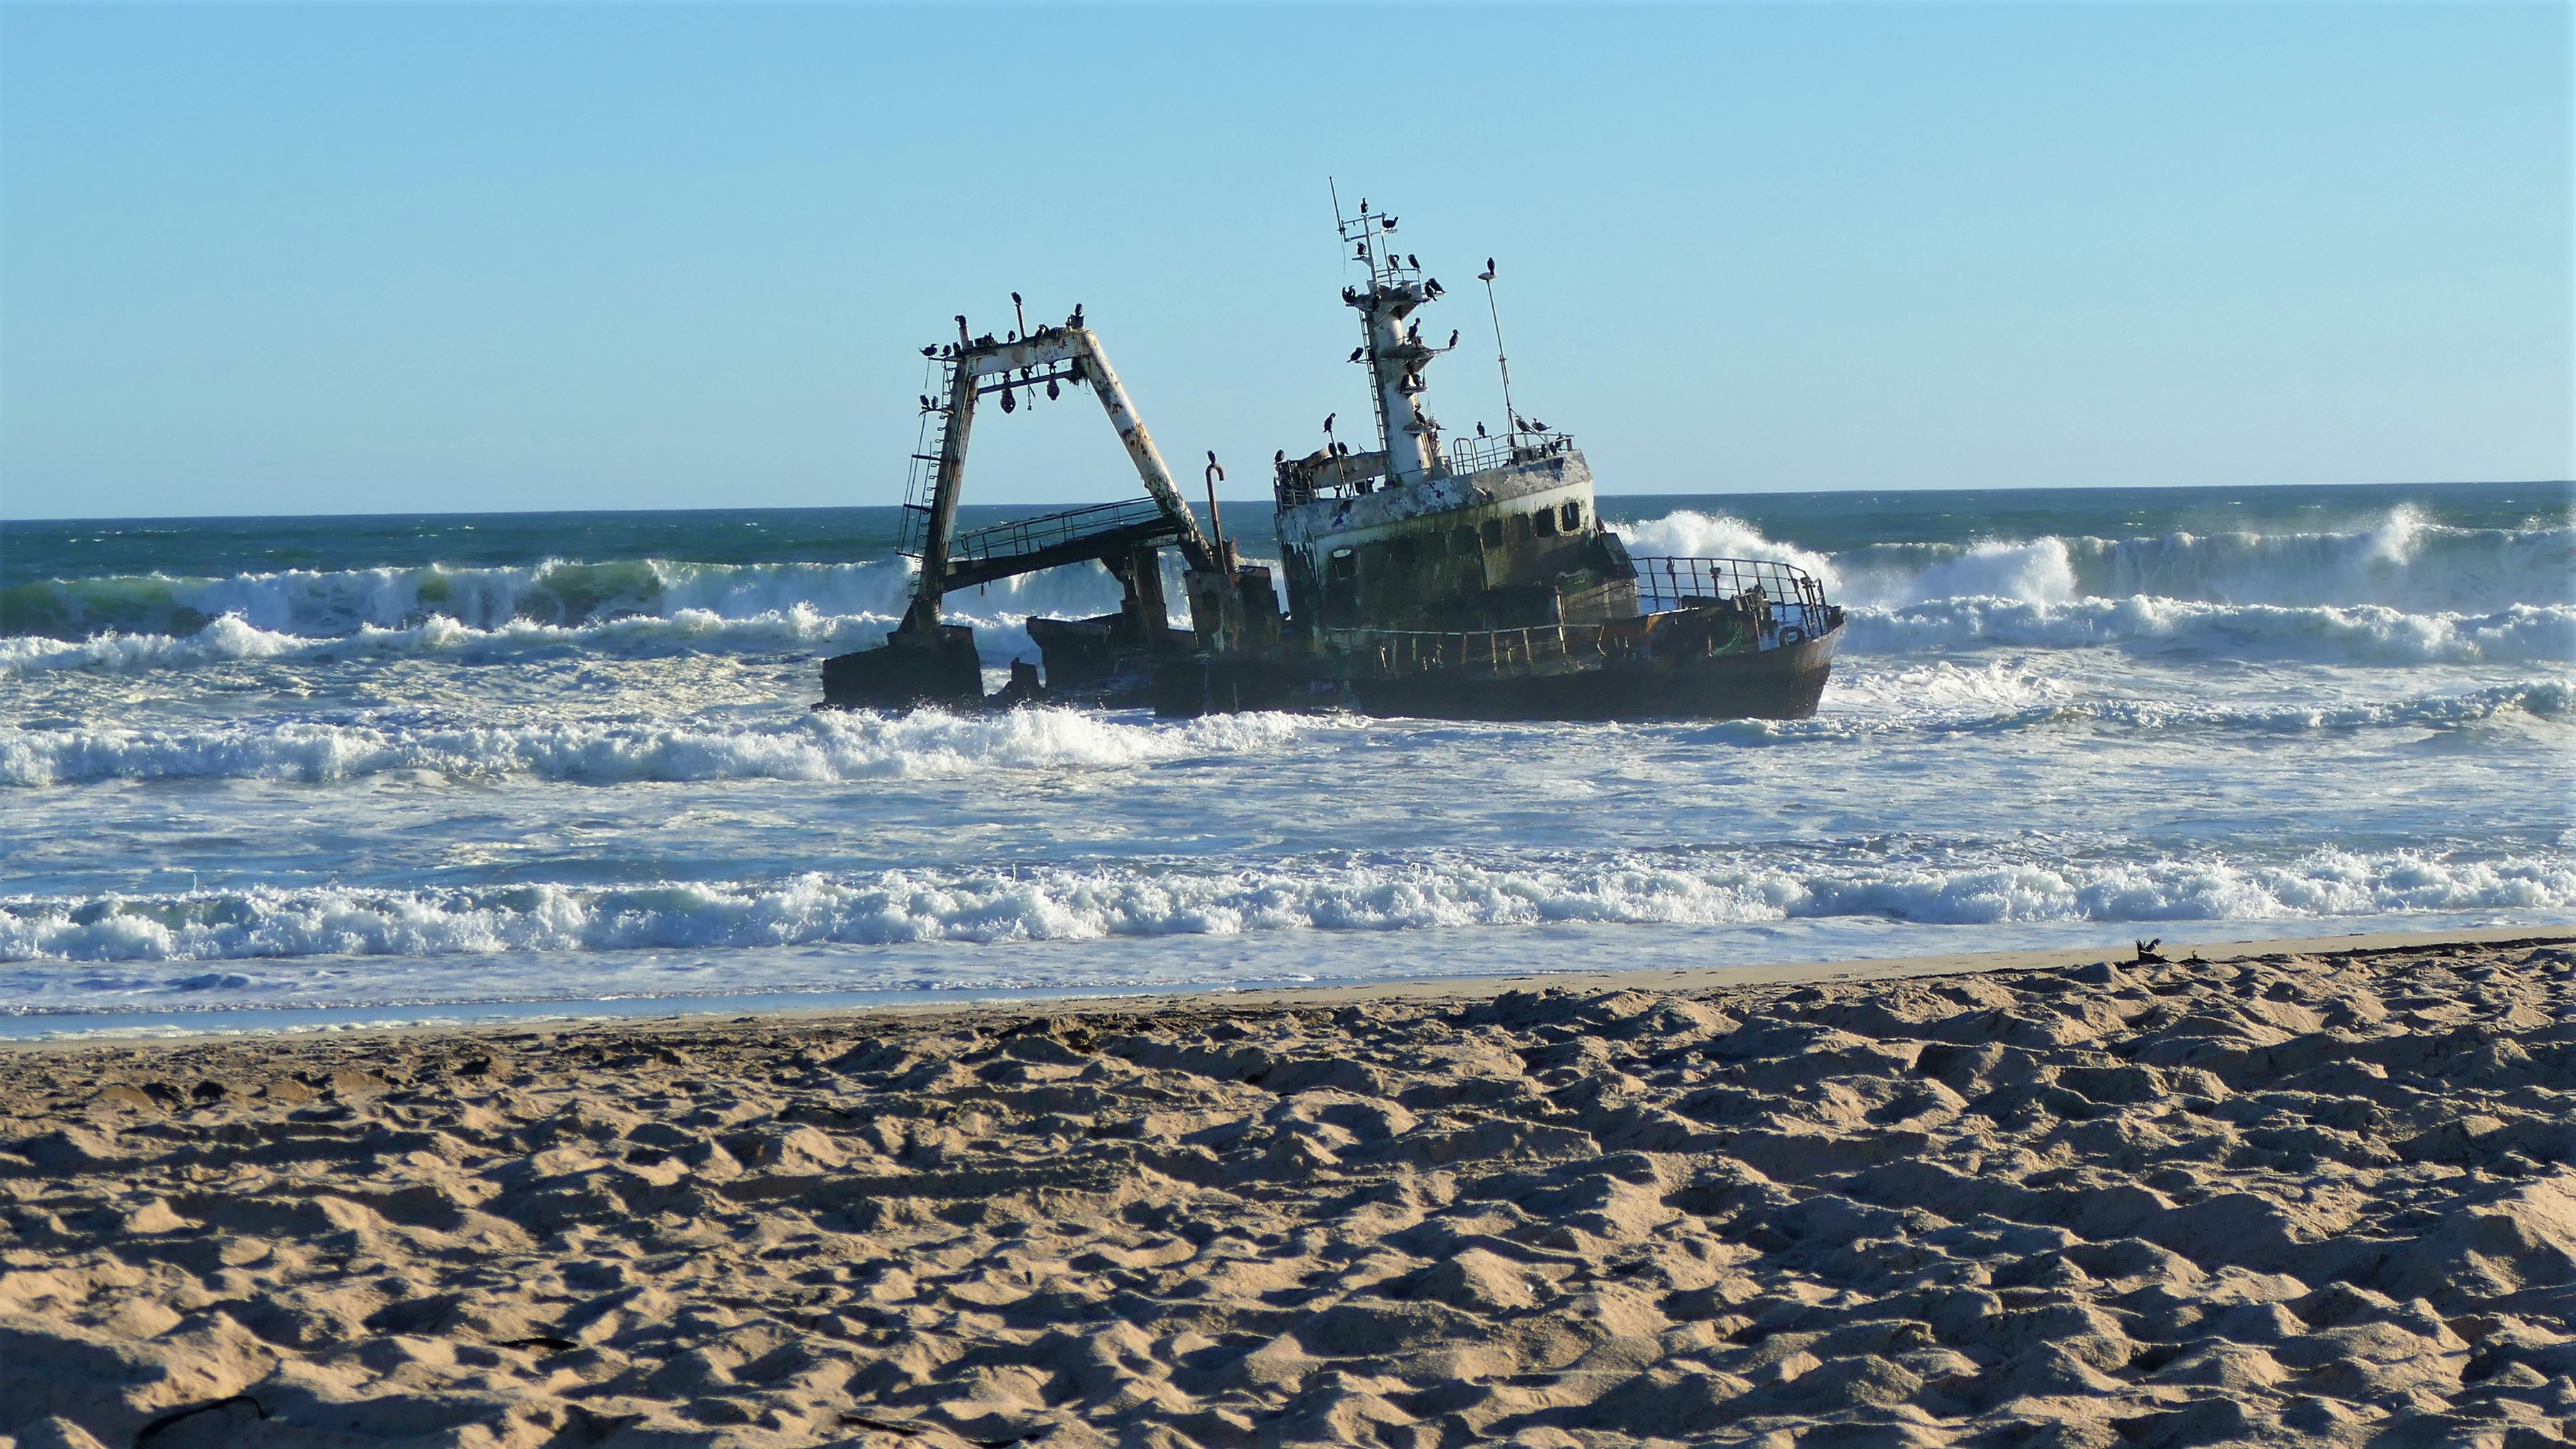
x=980 y=367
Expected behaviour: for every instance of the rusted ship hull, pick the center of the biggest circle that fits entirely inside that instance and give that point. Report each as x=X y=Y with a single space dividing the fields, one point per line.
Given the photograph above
x=1780 y=683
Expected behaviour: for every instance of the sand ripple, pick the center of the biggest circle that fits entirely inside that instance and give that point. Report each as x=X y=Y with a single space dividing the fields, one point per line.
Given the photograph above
x=2292 y=1200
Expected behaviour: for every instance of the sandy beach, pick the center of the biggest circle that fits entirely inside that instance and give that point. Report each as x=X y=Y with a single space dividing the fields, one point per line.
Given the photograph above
x=2299 y=1196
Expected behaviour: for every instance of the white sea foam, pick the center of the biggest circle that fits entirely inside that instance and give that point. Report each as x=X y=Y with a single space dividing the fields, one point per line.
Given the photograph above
x=563 y=593
x=2369 y=634
x=2403 y=563
x=1934 y=700
x=1001 y=638
x=854 y=745
x=1178 y=898
x=231 y=639
x=2401 y=591
x=1691 y=534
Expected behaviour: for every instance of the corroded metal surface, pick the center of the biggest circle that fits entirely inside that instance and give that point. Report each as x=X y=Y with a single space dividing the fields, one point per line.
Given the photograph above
x=1468 y=578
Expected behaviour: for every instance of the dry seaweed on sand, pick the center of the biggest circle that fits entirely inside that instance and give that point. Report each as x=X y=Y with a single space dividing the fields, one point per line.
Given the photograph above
x=2293 y=1199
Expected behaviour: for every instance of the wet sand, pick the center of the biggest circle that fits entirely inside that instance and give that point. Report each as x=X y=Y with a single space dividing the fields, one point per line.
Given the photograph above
x=2301 y=1196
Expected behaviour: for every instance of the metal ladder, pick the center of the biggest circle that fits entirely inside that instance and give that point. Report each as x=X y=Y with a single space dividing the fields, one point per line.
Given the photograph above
x=923 y=480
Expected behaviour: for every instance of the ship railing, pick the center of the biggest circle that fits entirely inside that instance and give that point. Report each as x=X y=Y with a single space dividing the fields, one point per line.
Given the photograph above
x=1681 y=583
x=1538 y=648
x=1020 y=537
x=1475 y=455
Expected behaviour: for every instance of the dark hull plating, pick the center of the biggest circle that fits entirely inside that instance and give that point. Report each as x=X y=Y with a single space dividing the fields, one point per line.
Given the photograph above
x=1782 y=683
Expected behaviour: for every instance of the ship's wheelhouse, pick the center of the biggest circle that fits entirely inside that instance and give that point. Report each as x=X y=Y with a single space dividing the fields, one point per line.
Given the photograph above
x=1506 y=546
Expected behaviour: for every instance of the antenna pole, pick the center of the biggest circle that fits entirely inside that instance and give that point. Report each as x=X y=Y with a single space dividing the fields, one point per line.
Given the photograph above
x=1511 y=419
x=1216 y=529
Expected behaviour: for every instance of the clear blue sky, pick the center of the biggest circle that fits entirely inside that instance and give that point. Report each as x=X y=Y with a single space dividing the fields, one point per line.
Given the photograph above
x=285 y=259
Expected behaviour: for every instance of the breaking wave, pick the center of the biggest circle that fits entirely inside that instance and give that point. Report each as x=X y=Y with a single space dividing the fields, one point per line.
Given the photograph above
x=561 y=595
x=1946 y=699
x=1941 y=699
x=2365 y=634
x=818 y=747
x=1146 y=899
x=2404 y=564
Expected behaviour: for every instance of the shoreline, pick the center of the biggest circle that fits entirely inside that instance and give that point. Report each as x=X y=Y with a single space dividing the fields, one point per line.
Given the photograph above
x=2264 y=1196
x=63 y=1029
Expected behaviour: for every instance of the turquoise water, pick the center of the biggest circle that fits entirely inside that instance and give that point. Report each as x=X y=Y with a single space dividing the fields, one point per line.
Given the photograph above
x=350 y=765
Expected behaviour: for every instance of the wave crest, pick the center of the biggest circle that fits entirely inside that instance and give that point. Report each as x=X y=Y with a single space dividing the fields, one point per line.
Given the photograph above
x=2371 y=634
x=2404 y=563
x=857 y=745
x=1157 y=899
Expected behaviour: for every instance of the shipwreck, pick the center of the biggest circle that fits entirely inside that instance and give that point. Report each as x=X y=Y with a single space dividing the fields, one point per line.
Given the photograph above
x=1459 y=577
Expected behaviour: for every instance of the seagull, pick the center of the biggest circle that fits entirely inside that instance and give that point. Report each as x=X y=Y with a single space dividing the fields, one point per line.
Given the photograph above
x=930 y=352
x=1536 y=426
x=1328 y=423
x=1453 y=336
x=1413 y=261
x=1487 y=274
x=1355 y=353
x=1433 y=288
x=1480 y=430
x=1359 y=253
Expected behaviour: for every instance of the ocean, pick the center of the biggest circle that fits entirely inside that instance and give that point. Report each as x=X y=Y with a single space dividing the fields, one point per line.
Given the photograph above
x=305 y=771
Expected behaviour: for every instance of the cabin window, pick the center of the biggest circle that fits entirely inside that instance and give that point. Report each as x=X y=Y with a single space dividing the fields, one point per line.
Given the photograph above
x=1493 y=533
x=1345 y=564
x=1403 y=551
x=1520 y=528
x=1544 y=522
x=1572 y=515
x=1462 y=541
